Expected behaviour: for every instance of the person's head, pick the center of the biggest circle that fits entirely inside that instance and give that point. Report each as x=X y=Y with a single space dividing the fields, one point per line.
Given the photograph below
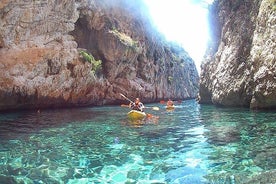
x=137 y=100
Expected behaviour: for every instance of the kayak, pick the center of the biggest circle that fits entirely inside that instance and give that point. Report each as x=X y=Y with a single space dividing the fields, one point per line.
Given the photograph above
x=170 y=107
x=136 y=115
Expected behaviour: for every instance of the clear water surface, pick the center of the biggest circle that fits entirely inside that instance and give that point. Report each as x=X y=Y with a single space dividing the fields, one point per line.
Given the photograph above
x=191 y=145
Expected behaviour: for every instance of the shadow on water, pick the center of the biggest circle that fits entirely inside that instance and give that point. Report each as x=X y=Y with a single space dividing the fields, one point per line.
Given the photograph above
x=192 y=144
x=26 y=122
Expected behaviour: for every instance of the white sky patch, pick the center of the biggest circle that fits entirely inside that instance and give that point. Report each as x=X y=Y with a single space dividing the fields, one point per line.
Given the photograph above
x=184 y=22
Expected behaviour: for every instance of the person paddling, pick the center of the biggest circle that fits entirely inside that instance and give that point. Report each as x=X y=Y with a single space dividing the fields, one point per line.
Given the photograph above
x=137 y=105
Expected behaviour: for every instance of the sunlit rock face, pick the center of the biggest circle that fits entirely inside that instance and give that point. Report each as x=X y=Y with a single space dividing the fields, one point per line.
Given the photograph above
x=240 y=65
x=40 y=63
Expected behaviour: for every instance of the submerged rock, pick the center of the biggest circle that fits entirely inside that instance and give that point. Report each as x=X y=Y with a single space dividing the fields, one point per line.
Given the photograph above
x=263 y=177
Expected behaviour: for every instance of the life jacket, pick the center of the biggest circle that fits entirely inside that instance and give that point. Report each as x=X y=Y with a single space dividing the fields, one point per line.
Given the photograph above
x=137 y=107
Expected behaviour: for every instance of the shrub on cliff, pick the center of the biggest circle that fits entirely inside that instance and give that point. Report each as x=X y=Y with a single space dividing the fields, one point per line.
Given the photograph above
x=96 y=64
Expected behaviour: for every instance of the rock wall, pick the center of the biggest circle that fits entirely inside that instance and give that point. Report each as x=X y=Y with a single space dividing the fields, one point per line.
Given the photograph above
x=41 y=65
x=239 y=68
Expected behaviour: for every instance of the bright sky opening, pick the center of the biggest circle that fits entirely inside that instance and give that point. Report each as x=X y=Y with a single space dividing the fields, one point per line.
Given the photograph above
x=185 y=22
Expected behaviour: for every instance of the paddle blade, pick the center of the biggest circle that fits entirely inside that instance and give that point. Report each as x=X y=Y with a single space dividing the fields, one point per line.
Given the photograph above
x=155 y=108
x=122 y=95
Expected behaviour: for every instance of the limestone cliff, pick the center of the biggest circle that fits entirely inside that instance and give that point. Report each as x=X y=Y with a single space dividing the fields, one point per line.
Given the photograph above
x=239 y=68
x=41 y=65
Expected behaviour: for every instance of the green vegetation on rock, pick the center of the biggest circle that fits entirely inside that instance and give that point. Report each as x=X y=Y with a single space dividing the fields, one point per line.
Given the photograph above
x=96 y=64
x=125 y=39
x=170 y=79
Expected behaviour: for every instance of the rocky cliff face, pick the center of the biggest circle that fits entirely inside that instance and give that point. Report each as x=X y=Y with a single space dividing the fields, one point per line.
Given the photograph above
x=240 y=65
x=41 y=65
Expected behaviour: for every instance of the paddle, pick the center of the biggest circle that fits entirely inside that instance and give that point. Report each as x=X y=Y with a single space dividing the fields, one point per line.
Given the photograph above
x=126 y=98
x=153 y=108
x=124 y=105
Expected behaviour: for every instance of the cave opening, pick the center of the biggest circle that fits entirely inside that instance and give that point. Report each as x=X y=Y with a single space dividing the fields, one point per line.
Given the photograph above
x=86 y=39
x=84 y=36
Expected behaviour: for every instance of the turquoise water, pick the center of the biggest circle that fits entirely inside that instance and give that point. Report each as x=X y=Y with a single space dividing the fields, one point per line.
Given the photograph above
x=191 y=145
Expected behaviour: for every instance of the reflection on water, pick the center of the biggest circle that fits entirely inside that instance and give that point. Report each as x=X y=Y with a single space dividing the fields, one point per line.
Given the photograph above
x=192 y=144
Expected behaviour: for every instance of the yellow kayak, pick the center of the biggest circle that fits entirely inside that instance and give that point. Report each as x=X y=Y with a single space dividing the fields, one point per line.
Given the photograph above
x=136 y=115
x=170 y=107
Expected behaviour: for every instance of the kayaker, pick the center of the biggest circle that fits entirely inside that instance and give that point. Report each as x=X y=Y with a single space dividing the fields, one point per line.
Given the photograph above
x=170 y=103
x=137 y=105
